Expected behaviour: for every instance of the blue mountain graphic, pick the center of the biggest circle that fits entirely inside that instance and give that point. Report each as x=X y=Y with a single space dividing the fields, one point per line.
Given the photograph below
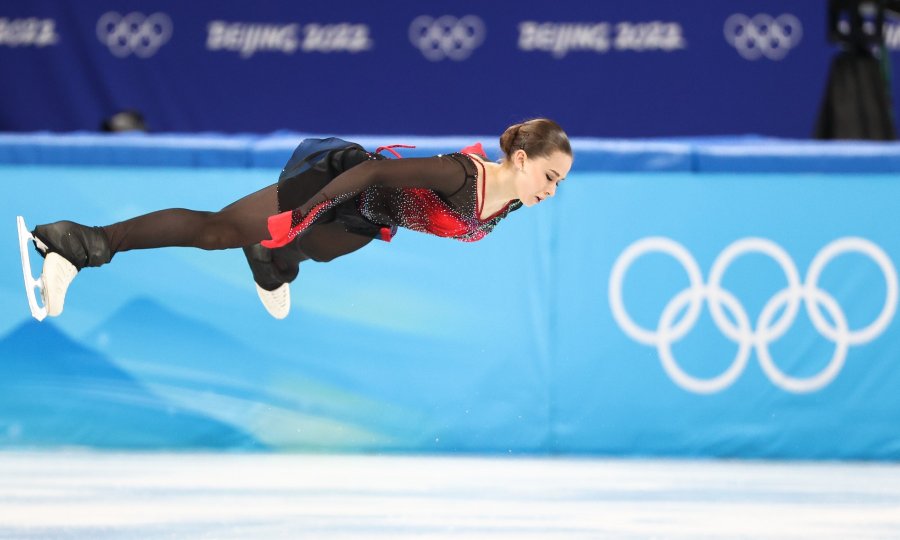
x=204 y=365
x=58 y=392
x=169 y=348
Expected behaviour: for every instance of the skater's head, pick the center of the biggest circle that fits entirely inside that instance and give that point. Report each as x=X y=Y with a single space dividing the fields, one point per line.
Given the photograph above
x=540 y=153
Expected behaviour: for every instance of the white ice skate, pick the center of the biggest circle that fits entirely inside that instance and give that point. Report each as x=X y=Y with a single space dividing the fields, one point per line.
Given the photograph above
x=277 y=302
x=55 y=278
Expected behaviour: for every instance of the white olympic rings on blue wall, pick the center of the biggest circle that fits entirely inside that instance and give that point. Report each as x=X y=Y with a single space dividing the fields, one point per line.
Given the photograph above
x=763 y=35
x=767 y=328
x=447 y=36
x=134 y=33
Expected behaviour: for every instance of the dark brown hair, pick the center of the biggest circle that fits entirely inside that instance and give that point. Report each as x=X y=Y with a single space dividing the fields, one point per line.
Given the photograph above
x=539 y=137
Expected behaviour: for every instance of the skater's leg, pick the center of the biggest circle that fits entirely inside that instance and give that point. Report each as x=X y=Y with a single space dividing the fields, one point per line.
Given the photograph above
x=274 y=269
x=325 y=242
x=68 y=247
x=242 y=223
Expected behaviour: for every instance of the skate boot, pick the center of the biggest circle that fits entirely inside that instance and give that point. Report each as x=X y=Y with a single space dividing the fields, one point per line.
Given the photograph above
x=272 y=279
x=67 y=247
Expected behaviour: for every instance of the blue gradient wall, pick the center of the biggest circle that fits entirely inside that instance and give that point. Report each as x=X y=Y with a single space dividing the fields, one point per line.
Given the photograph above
x=508 y=345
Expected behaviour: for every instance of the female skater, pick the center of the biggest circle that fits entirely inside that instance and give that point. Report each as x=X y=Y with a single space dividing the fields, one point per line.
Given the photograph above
x=332 y=198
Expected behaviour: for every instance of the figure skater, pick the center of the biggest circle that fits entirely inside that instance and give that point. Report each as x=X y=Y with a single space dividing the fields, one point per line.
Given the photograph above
x=332 y=198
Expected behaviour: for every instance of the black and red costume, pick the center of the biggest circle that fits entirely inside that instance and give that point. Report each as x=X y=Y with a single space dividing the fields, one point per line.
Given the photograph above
x=332 y=198
x=334 y=180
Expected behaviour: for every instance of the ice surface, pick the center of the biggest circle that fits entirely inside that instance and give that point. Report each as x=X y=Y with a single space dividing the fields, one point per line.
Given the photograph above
x=105 y=495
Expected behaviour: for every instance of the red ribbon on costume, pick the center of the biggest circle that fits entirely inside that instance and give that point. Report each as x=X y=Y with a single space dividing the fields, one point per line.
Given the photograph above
x=389 y=149
x=280 y=224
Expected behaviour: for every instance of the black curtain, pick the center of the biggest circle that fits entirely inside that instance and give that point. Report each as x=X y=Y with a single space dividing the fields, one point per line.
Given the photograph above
x=857 y=102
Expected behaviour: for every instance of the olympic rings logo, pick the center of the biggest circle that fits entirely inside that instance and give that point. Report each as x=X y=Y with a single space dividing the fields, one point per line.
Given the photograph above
x=768 y=329
x=447 y=36
x=763 y=35
x=134 y=33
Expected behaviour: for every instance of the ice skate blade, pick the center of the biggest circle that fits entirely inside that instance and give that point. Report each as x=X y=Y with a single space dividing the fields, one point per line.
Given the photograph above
x=39 y=312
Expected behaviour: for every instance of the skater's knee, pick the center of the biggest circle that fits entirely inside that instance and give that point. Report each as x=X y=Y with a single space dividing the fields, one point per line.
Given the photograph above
x=324 y=257
x=217 y=232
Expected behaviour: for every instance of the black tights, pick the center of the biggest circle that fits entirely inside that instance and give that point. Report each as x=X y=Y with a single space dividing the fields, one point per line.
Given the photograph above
x=243 y=223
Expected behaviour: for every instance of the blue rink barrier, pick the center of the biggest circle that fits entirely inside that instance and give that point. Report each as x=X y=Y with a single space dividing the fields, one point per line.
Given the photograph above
x=692 y=297
x=717 y=154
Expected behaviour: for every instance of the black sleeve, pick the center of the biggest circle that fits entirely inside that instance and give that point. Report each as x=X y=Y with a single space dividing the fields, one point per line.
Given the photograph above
x=443 y=174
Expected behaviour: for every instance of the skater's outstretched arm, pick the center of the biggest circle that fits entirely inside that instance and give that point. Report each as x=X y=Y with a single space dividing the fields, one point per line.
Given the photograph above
x=444 y=174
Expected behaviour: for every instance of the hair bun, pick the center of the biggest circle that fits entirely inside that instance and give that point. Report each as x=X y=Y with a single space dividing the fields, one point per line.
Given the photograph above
x=508 y=139
x=538 y=137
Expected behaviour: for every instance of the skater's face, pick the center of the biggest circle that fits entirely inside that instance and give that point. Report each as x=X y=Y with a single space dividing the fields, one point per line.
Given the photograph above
x=538 y=178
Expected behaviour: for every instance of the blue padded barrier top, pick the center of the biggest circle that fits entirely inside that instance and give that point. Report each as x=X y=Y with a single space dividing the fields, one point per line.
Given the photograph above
x=726 y=154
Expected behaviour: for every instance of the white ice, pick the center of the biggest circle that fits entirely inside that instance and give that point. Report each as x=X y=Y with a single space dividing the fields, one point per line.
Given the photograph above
x=262 y=496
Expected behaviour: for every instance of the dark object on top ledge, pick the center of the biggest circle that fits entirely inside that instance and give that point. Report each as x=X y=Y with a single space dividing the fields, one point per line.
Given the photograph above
x=857 y=102
x=129 y=120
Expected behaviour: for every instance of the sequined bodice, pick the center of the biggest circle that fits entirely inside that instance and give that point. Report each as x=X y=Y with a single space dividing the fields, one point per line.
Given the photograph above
x=436 y=195
x=425 y=210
